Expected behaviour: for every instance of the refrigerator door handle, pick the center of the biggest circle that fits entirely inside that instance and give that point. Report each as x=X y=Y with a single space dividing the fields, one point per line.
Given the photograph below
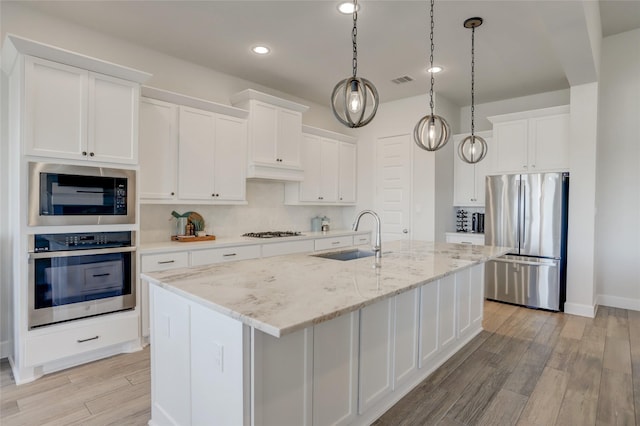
x=551 y=263
x=523 y=225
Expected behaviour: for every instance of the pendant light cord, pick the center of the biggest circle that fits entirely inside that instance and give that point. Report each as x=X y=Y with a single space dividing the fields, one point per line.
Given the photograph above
x=473 y=63
x=354 y=35
x=431 y=59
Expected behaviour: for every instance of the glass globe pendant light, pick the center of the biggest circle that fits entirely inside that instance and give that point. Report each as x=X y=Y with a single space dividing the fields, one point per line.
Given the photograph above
x=432 y=132
x=473 y=148
x=354 y=100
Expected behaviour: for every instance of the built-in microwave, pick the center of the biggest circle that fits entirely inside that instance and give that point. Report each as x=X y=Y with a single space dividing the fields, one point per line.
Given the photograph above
x=62 y=194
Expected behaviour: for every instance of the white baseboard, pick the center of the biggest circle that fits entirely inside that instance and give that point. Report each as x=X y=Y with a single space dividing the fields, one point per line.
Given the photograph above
x=580 y=310
x=5 y=349
x=619 y=302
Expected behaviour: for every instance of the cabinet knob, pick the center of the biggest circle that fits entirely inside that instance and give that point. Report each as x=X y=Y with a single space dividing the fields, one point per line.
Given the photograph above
x=533 y=166
x=91 y=154
x=524 y=167
x=340 y=198
x=173 y=193
x=217 y=195
x=84 y=153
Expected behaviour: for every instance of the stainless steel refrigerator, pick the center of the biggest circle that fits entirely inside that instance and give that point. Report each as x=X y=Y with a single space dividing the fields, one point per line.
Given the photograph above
x=529 y=213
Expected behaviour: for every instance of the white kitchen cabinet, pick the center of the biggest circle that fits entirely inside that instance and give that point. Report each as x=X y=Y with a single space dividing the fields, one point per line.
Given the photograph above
x=470 y=288
x=405 y=342
x=226 y=254
x=77 y=114
x=532 y=141
x=376 y=350
x=329 y=162
x=429 y=317
x=287 y=247
x=335 y=370
x=465 y=238
x=333 y=242
x=447 y=332
x=275 y=135
x=195 y=150
x=469 y=179
x=158 y=126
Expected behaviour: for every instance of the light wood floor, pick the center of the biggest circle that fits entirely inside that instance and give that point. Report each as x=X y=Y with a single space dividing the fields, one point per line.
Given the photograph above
x=527 y=368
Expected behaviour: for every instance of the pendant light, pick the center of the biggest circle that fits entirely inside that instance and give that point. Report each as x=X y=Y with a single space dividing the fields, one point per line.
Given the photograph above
x=473 y=148
x=354 y=100
x=432 y=131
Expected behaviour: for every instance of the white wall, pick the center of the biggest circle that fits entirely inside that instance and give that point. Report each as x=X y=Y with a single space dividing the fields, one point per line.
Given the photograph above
x=618 y=165
x=5 y=244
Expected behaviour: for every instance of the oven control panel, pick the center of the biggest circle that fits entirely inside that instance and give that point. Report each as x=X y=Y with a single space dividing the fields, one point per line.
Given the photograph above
x=81 y=241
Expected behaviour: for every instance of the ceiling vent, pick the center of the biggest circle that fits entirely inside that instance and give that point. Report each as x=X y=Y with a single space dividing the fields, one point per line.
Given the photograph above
x=403 y=79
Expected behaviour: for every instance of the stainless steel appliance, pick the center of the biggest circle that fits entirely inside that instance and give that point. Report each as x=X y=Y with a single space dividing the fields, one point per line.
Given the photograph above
x=529 y=213
x=79 y=275
x=272 y=234
x=80 y=195
x=477 y=223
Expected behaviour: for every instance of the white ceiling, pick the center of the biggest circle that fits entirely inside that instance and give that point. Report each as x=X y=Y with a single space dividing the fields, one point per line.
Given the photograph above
x=518 y=51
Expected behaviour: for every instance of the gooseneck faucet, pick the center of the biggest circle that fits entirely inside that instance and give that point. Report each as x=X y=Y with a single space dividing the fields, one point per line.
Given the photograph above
x=377 y=248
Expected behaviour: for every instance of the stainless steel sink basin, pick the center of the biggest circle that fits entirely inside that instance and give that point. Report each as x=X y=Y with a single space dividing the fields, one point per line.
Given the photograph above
x=349 y=254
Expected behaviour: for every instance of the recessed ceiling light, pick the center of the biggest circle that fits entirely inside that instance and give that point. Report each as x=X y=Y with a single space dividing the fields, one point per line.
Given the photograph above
x=260 y=50
x=434 y=70
x=346 y=7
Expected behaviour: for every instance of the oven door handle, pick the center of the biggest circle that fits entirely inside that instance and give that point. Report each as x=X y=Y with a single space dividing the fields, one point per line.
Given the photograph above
x=69 y=253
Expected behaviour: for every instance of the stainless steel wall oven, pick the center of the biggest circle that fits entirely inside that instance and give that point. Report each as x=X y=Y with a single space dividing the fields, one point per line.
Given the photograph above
x=80 y=275
x=61 y=194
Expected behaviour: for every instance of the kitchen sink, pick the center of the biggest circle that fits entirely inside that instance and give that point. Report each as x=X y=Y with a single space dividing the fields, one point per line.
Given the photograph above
x=350 y=254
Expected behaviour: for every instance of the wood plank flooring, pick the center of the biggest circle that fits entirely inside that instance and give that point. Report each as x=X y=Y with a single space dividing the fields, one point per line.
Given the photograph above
x=527 y=368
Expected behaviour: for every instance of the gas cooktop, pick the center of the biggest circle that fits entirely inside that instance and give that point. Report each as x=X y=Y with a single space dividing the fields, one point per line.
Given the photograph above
x=272 y=234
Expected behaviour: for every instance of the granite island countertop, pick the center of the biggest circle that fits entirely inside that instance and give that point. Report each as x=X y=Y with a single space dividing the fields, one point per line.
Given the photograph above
x=283 y=294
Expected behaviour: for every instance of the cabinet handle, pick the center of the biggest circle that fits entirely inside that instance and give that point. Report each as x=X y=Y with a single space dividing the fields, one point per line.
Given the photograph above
x=164 y=262
x=100 y=275
x=524 y=167
x=84 y=153
x=320 y=198
x=362 y=239
x=335 y=242
x=91 y=154
x=533 y=166
x=173 y=193
x=89 y=339
x=229 y=254
x=340 y=198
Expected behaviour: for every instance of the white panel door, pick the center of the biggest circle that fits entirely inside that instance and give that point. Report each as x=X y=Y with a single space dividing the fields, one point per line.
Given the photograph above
x=429 y=320
x=196 y=151
x=289 y=137
x=55 y=109
x=330 y=169
x=230 y=158
x=376 y=353
x=113 y=119
x=510 y=141
x=393 y=186
x=264 y=118
x=406 y=335
x=158 y=129
x=311 y=154
x=335 y=371
x=347 y=173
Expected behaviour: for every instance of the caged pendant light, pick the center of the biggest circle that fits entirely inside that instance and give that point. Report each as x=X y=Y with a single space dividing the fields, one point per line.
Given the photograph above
x=432 y=131
x=473 y=148
x=354 y=100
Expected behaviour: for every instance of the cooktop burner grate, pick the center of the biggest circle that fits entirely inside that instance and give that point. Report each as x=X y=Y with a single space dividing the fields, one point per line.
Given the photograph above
x=272 y=234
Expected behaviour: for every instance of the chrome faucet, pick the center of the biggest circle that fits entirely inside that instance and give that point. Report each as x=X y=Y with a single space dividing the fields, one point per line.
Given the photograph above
x=377 y=248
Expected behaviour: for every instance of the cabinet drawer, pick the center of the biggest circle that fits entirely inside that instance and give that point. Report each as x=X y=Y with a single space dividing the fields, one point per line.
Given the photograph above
x=277 y=249
x=475 y=239
x=164 y=261
x=76 y=339
x=328 y=243
x=361 y=239
x=207 y=257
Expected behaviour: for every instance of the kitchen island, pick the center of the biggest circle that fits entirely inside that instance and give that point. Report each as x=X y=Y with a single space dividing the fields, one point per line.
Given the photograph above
x=303 y=340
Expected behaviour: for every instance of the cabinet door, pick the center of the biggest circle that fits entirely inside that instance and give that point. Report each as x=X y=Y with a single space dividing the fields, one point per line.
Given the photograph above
x=311 y=155
x=510 y=141
x=347 y=173
x=463 y=179
x=113 y=119
x=230 y=161
x=476 y=296
x=55 y=109
x=330 y=168
x=405 y=336
x=549 y=143
x=482 y=170
x=429 y=315
x=170 y=358
x=158 y=150
x=376 y=352
x=447 y=312
x=263 y=132
x=289 y=137
x=335 y=370
x=196 y=151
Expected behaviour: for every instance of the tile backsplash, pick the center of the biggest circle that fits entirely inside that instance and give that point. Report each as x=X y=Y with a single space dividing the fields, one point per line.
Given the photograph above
x=265 y=212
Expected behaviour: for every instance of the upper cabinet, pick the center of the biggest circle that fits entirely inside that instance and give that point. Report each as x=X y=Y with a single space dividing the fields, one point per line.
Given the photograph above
x=275 y=135
x=469 y=179
x=532 y=141
x=329 y=163
x=78 y=114
x=191 y=150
